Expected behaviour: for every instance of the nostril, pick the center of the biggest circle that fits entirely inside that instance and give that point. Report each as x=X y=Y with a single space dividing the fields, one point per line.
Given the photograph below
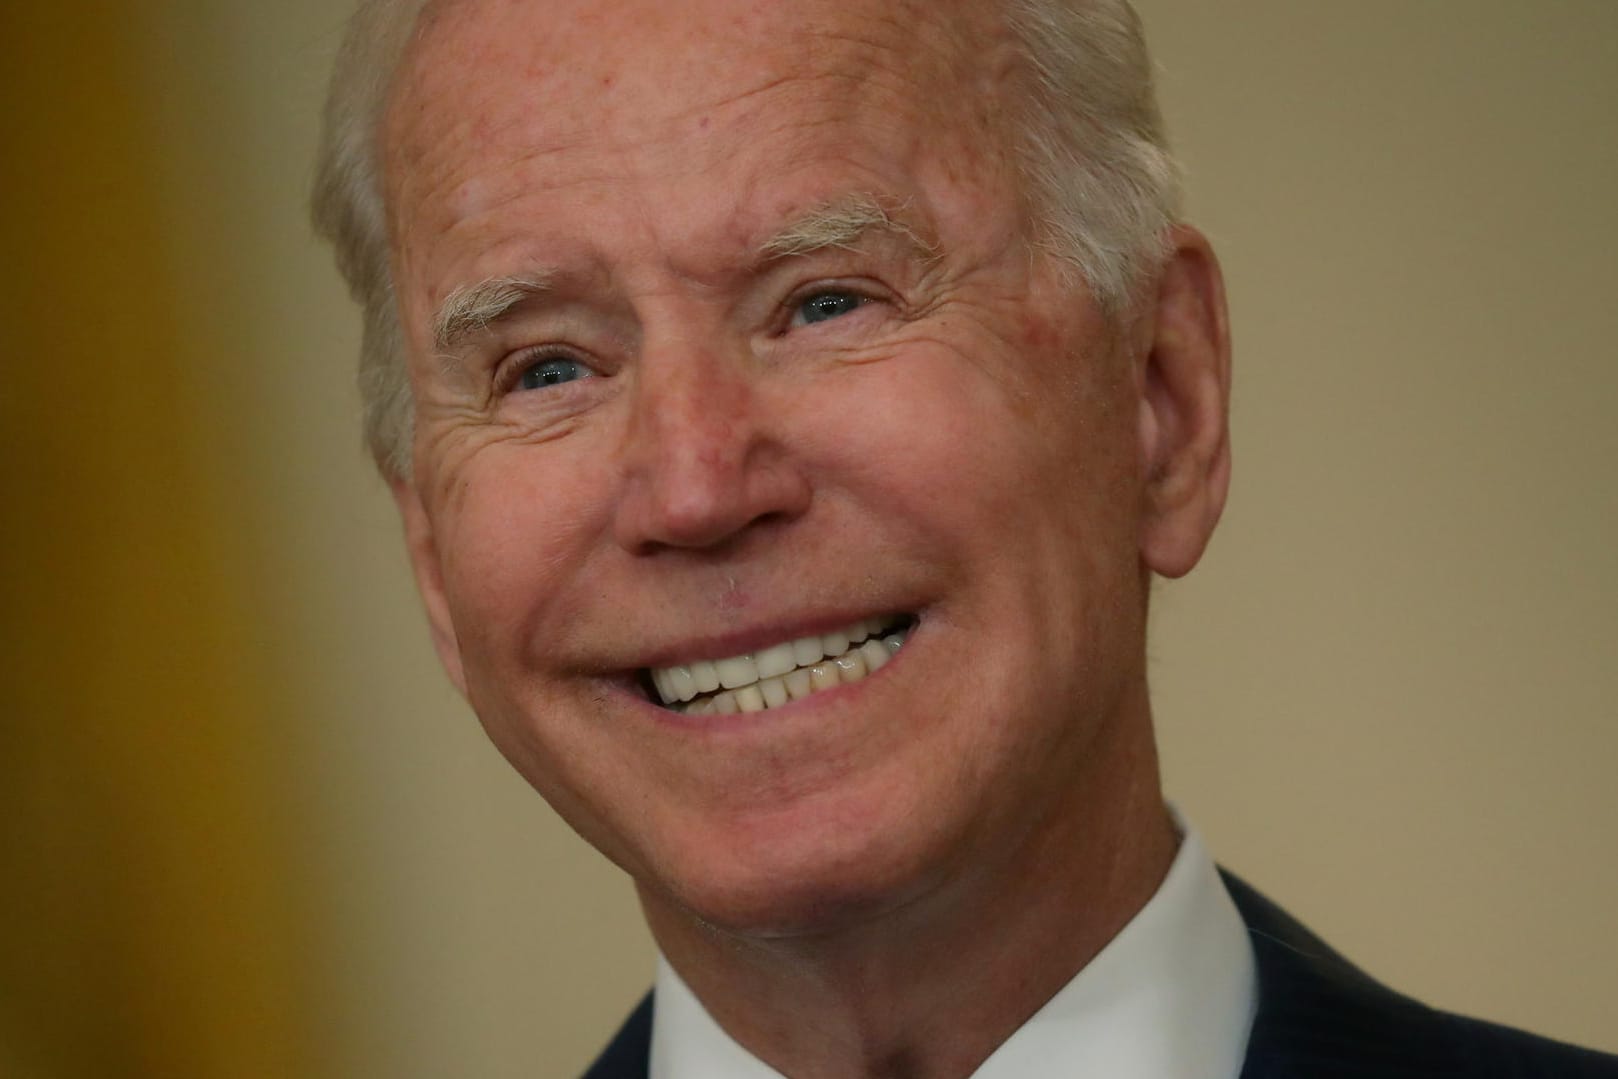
x=774 y=517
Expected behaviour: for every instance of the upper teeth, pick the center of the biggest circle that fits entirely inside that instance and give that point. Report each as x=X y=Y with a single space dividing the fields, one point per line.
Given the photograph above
x=783 y=672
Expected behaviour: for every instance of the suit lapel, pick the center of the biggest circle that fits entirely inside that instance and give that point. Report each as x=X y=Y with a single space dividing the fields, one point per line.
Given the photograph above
x=1320 y=1017
x=628 y=1055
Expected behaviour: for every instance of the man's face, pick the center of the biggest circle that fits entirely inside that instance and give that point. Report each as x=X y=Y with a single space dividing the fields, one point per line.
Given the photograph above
x=730 y=408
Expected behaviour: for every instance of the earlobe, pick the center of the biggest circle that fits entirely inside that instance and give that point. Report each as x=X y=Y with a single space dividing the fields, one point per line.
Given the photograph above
x=1184 y=408
x=423 y=550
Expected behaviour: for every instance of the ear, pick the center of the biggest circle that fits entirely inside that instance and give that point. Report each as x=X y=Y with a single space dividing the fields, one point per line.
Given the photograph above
x=423 y=548
x=1184 y=407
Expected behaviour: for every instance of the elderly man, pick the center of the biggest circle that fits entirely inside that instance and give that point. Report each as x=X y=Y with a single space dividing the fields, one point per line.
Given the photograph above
x=788 y=406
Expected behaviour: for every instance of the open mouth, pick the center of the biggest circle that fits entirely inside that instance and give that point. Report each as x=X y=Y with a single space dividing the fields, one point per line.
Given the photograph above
x=782 y=673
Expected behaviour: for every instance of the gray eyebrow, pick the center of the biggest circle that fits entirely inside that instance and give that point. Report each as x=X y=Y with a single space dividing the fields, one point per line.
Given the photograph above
x=471 y=308
x=841 y=223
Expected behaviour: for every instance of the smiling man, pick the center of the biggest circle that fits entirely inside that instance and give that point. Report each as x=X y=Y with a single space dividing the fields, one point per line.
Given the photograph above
x=788 y=406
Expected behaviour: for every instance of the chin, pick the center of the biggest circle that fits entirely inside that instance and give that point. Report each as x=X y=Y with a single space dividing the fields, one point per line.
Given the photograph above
x=801 y=883
x=795 y=903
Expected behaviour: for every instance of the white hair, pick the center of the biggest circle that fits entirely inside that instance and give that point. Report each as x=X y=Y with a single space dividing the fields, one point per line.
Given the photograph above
x=1100 y=178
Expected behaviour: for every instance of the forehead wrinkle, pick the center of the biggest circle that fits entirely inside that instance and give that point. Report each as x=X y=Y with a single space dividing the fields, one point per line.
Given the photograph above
x=881 y=49
x=856 y=67
x=895 y=45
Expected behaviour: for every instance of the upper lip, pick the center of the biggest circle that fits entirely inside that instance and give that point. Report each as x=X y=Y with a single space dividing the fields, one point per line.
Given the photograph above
x=740 y=642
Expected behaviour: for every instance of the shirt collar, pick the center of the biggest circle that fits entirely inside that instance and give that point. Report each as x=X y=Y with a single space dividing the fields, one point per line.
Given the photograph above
x=1171 y=996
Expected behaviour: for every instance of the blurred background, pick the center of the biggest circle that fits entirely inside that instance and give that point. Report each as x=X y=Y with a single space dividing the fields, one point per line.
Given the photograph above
x=246 y=829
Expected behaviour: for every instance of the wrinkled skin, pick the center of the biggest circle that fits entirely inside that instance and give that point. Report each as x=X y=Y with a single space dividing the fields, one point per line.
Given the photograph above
x=970 y=442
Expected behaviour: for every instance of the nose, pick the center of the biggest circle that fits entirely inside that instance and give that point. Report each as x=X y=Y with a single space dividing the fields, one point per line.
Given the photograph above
x=703 y=459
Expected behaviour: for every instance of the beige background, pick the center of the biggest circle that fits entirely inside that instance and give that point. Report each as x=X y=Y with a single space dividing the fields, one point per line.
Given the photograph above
x=1387 y=697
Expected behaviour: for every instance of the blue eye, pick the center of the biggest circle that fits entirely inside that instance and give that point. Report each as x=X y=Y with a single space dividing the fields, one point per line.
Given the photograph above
x=823 y=306
x=552 y=372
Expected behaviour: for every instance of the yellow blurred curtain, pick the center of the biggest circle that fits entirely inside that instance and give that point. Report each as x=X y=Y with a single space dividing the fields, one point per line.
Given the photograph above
x=149 y=908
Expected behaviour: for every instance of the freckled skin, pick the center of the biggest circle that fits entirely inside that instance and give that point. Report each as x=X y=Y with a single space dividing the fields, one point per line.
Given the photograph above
x=963 y=446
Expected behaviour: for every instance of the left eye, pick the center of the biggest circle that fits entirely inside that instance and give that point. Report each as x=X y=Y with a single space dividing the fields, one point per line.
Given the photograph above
x=823 y=306
x=552 y=371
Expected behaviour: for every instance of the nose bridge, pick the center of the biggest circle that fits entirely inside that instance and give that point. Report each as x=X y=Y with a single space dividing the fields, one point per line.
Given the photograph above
x=693 y=415
x=699 y=462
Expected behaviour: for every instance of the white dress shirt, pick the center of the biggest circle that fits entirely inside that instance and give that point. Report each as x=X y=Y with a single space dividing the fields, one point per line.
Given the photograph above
x=1171 y=996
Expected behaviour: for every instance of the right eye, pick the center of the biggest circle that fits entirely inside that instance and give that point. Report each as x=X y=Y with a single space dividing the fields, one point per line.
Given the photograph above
x=552 y=371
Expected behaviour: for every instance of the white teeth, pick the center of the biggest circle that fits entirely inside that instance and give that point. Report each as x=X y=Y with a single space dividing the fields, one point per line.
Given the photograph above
x=806 y=651
x=737 y=671
x=781 y=673
x=681 y=686
x=850 y=666
x=798 y=684
x=776 y=660
x=705 y=675
x=775 y=692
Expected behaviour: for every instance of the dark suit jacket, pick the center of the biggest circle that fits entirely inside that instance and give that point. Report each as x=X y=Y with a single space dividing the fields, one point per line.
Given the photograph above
x=1319 y=1017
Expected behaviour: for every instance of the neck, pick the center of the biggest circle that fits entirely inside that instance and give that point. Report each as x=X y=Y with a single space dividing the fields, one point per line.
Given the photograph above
x=930 y=990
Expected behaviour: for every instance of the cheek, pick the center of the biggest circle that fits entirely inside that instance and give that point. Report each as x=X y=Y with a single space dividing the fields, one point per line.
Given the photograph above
x=970 y=443
x=516 y=530
x=1012 y=476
